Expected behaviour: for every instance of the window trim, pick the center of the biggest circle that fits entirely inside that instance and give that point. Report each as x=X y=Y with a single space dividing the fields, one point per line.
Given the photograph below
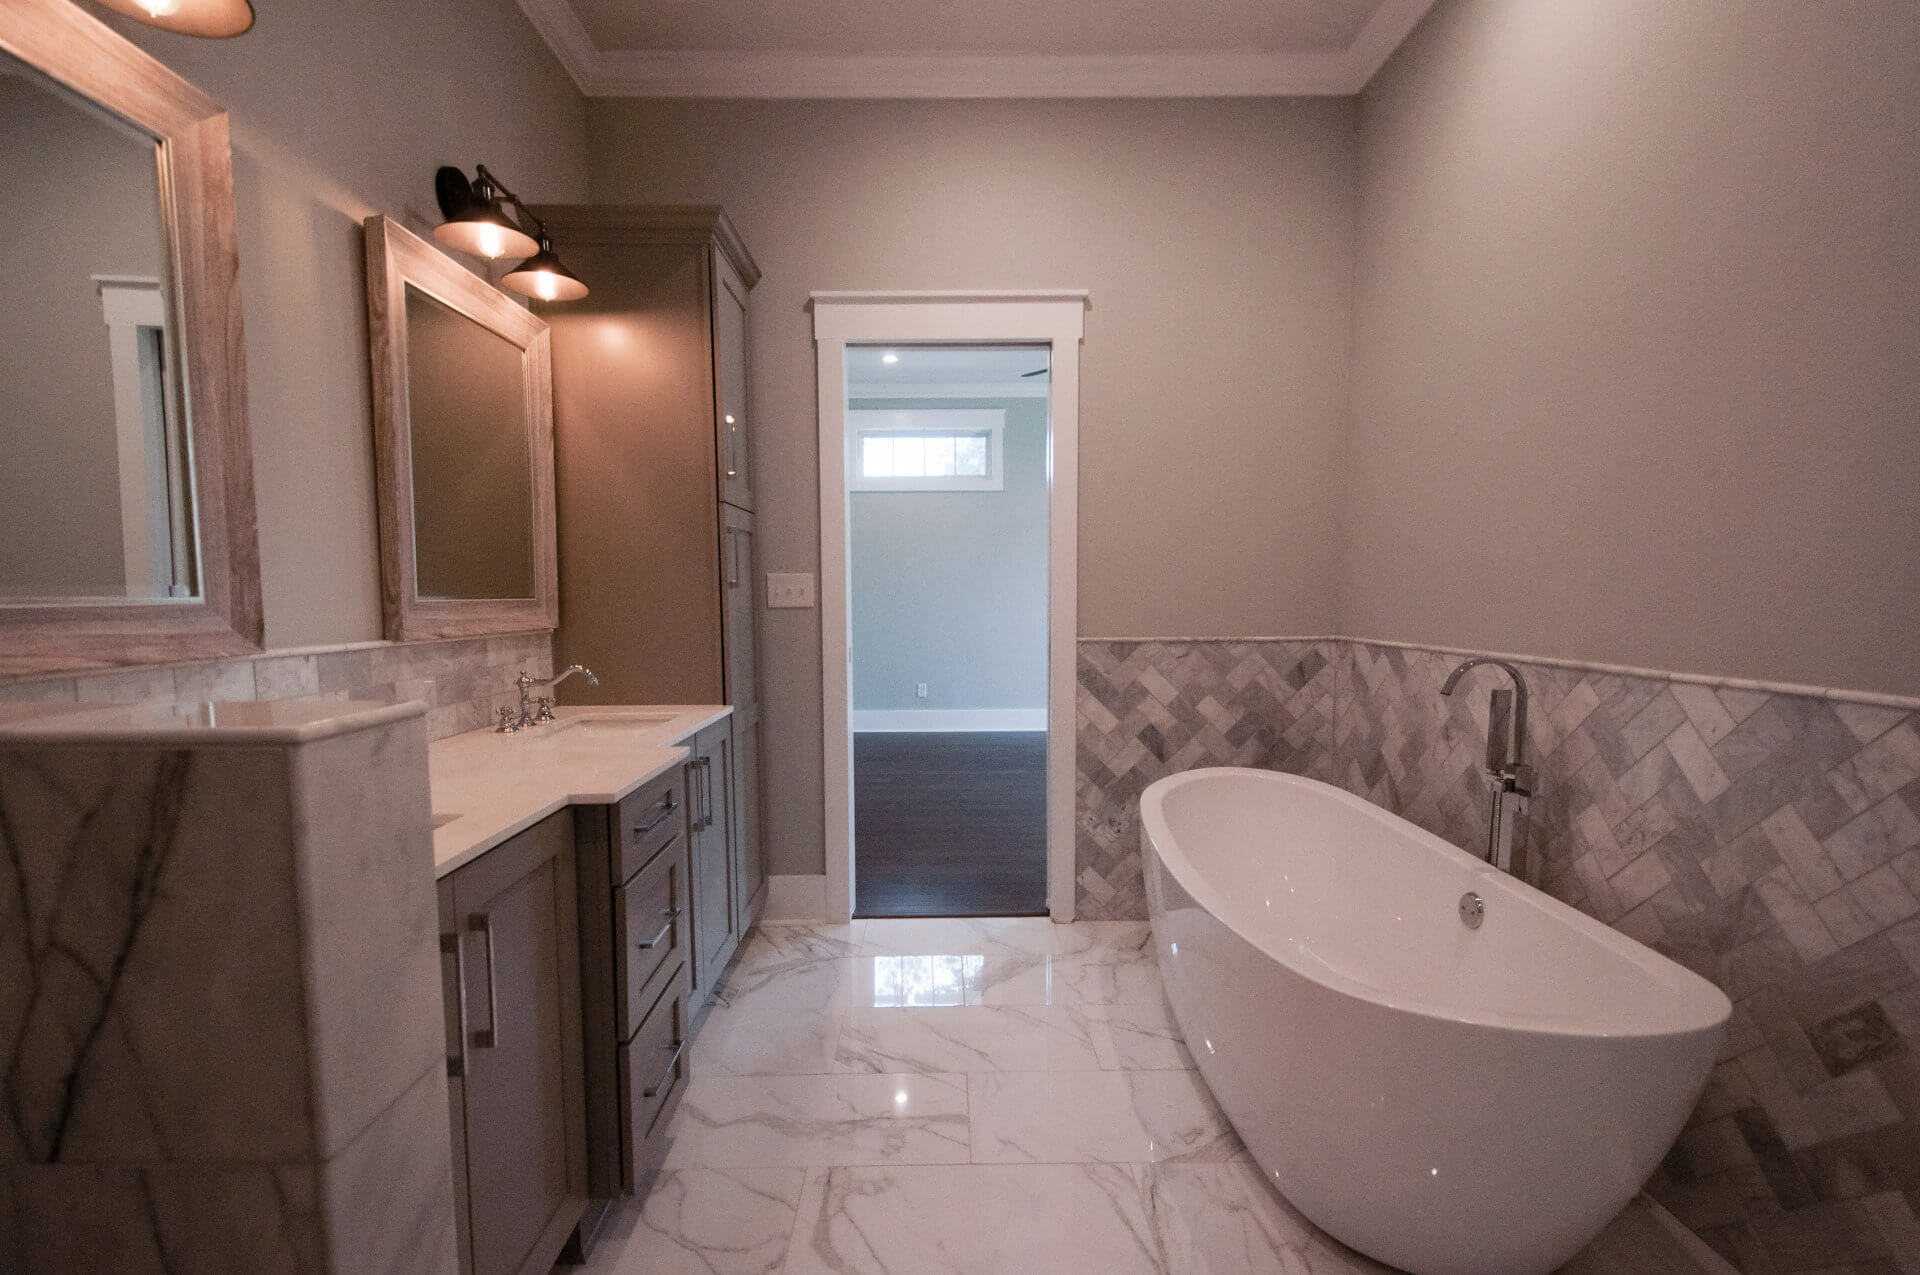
x=971 y=420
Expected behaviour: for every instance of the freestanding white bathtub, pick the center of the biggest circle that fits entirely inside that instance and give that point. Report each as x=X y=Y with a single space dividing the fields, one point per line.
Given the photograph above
x=1452 y=1101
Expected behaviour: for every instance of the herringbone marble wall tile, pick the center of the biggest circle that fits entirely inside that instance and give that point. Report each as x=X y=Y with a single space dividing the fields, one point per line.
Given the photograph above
x=1770 y=842
x=1148 y=709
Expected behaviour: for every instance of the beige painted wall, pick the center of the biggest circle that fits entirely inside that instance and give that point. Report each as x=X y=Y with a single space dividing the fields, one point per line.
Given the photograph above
x=340 y=110
x=1638 y=338
x=1216 y=240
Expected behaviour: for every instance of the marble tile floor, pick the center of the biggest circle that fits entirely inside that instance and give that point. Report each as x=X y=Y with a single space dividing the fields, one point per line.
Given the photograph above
x=973 y=1097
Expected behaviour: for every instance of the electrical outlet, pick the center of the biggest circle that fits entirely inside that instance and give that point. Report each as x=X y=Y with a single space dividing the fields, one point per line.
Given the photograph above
x=790 y=589
x=920 y=689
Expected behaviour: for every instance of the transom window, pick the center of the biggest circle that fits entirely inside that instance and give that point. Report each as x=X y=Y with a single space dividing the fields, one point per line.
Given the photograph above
x=928 y=450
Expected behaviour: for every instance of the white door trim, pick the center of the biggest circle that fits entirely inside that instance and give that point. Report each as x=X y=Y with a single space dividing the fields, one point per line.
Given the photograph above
x=1053 y=318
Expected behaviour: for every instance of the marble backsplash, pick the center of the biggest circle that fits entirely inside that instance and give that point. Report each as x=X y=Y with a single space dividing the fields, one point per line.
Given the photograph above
x=1770 y=841
x=461 y=680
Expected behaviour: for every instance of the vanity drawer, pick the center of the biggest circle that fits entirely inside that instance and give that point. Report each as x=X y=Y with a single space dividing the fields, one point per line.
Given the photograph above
x=653 y=1076
x=651 y=926
x=648 y=819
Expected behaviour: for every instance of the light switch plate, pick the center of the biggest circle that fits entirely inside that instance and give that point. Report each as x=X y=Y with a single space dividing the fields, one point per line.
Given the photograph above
x=790 y=589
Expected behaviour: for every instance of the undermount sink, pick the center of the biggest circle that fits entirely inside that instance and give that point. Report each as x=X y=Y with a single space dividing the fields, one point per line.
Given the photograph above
x=608 y=721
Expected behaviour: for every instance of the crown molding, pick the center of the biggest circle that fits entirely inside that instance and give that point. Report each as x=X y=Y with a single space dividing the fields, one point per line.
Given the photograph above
x=936 y=75
x=558 y=24
x=672 y=73
x=1385 y=32
x=652 y=224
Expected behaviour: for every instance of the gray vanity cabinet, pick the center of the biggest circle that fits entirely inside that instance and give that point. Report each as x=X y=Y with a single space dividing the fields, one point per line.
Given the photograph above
x=652 y=418
x=510 y=941
x=636 y=900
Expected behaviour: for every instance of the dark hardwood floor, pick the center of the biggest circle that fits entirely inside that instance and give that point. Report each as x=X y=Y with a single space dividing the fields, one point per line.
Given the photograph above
x=950 y=825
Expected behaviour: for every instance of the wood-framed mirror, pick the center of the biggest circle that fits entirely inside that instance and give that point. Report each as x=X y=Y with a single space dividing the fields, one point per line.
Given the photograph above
x=463 y=432
x=126 y=471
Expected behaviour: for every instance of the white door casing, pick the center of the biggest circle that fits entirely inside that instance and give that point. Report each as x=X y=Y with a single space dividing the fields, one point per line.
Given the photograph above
x=1056 y=319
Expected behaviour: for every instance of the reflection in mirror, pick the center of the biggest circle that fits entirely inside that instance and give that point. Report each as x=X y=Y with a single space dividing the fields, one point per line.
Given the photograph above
x=95 y=466
x=472 y=471
x=463 y=446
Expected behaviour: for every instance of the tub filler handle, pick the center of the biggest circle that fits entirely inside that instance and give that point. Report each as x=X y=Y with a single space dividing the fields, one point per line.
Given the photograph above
x=1510 y=779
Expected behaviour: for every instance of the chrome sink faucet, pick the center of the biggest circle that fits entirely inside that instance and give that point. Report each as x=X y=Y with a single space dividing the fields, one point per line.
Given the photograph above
x=534 y=711
x=1509 y=776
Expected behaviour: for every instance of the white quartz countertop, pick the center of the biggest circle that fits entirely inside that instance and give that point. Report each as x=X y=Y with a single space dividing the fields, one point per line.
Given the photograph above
x=488 y=786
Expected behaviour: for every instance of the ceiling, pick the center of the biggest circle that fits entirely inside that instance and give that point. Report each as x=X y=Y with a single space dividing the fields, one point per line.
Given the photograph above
x=968 y=370
x=972 y=48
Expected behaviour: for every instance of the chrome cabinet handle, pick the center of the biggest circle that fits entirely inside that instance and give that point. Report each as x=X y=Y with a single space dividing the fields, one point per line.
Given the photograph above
x=481 y=924
x=706 y=792
x=666 y=1076
x=672 y=915
x=457 y=1060
x=702 y=805
x=666 y=807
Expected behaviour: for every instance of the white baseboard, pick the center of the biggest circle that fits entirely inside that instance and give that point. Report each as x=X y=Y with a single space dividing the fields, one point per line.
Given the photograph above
x=944 y=720
x=796 y=898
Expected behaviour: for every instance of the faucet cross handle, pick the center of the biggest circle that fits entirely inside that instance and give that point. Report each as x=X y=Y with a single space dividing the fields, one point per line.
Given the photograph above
x=546 y=709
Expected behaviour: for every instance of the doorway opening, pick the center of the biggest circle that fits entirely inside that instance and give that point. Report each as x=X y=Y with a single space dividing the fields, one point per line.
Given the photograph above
x=948 y=498
x=1041 y=330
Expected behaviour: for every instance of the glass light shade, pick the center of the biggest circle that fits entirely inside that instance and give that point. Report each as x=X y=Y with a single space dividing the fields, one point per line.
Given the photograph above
x=216 y=19
x=543 y=278
x=485 y=230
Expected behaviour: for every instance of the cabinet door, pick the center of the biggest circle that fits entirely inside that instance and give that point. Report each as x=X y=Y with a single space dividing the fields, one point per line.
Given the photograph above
x=714 y=934
x=749 y=870
x=453 y=974
x=743 y=692
x=731 y=420
x=740 y=658
x=515 y=911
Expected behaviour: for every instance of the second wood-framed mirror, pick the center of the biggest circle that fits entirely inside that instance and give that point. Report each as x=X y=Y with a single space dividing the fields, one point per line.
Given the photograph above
x=463 y=431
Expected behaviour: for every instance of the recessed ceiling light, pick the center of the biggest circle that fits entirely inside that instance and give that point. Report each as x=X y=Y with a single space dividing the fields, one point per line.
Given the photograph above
x=889 y=357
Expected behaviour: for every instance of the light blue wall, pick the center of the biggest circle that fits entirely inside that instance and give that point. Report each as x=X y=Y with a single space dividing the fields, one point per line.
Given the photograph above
x=950 y=588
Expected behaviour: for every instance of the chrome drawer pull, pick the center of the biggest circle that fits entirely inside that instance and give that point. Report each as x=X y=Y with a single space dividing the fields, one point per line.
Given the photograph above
x=672 y=914
x=666 y=1077
x=481 y=924
x=666 y=807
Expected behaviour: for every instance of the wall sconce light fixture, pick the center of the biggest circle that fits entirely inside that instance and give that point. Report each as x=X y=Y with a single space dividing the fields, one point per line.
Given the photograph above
x=477 y=222
x=543 y=278
x=216 y=19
